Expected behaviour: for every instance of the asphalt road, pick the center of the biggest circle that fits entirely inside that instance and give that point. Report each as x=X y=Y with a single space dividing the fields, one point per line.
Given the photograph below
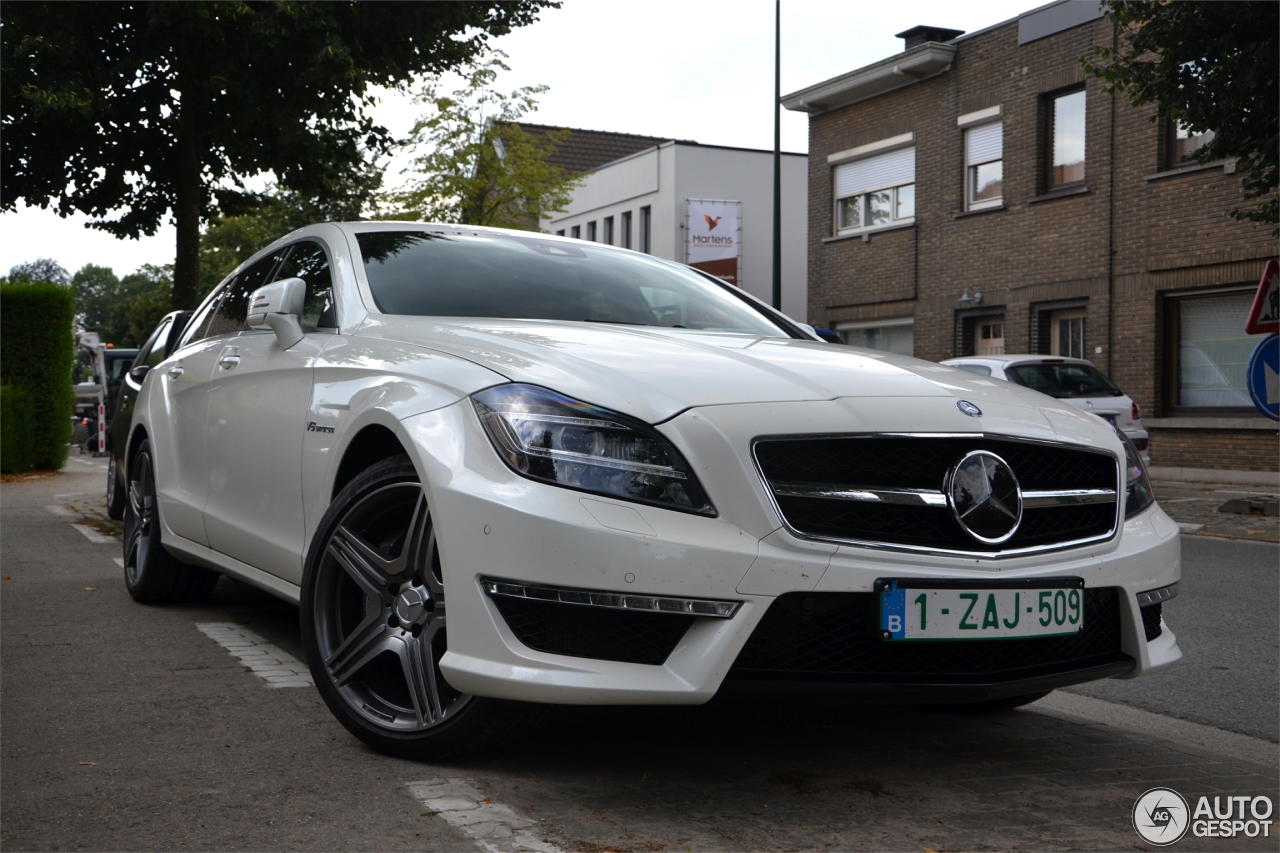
x=1227 y=621
x=128 y=727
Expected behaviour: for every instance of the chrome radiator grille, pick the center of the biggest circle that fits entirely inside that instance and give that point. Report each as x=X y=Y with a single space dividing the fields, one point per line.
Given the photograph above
x=896 y=491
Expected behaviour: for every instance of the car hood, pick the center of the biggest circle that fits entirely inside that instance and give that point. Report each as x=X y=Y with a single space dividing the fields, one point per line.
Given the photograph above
x=656 y=373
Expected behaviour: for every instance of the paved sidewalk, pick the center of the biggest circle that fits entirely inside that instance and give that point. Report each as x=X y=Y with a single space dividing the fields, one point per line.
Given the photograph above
x=1195 y=507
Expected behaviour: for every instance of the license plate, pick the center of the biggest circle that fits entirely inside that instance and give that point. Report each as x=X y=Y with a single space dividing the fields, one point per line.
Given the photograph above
x=944 y=610
x=1111 y=419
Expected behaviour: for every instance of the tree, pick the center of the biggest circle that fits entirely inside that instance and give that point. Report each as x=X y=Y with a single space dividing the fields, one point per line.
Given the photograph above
x=479 y=166
x=1210 y=67
x=39 y=270
x=133 y=110
x=125 y=310
x=96 y=289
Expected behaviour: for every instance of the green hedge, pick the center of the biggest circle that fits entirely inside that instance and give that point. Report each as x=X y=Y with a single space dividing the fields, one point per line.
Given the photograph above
x=37 y=349
x=15 y=430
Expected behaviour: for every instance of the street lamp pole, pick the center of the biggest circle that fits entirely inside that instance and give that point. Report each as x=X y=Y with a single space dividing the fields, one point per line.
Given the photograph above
x=777 y=156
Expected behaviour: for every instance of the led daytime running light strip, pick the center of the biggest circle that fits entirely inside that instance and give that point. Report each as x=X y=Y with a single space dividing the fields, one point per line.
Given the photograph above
x=515 y=445
x=612 y=600
x=1155 y=596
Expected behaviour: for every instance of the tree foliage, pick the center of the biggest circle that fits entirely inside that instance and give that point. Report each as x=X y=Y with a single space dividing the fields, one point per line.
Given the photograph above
x=41 y=269
x=127 y=111
x=1210 y=67
x=125 y=310
x=476 y=165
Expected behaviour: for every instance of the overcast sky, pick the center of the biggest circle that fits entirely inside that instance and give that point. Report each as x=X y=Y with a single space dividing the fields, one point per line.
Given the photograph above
x=687 y=69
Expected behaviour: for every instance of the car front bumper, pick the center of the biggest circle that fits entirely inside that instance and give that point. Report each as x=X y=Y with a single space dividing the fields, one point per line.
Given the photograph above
x=494 y=524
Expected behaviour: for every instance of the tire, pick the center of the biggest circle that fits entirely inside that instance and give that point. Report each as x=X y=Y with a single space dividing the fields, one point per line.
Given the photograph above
x=373 y=625
x=993 y=706
x=151 y=574
x=116 y=497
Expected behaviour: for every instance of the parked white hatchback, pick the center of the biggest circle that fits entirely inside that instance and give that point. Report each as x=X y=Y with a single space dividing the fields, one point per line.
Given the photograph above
x=497 y=468
x=1074 y=381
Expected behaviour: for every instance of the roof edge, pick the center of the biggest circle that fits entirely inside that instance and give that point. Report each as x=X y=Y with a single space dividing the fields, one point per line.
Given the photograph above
x=912 y=66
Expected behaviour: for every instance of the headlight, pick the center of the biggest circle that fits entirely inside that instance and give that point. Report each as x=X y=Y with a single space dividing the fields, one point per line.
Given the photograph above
x=1136 y=480
x=546 y=436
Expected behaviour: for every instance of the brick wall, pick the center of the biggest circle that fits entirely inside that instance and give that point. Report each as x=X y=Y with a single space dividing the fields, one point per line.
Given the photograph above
x=1123 y=246
x=1219 y=449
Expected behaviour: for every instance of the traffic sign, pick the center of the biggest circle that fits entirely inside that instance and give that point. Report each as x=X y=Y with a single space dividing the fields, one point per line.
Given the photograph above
x=1264 y=316
x=1264 y=376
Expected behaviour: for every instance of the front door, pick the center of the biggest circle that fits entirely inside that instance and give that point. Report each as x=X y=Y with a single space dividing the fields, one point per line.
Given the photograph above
x=989 y=339
x=257 y=417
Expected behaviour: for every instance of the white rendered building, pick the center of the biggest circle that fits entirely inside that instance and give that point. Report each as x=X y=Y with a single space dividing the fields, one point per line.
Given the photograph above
x=641 y=201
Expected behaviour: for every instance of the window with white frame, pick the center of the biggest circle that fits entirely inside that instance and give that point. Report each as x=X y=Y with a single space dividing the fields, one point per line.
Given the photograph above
x=876 y=191
x=984 y=165
x=896 y=336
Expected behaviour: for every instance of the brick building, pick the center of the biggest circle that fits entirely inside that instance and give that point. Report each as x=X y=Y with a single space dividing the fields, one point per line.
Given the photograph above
x=977 y=193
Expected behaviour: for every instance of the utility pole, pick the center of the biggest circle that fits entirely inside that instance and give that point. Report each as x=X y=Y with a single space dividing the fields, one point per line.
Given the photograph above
x=777 y=156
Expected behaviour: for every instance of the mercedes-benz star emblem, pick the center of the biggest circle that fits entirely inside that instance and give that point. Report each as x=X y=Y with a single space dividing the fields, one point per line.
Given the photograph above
x=969 y=408
x=984 y=495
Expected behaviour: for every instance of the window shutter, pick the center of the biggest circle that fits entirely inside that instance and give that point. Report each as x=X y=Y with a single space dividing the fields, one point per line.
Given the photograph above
x=985 y=142
x=891 y=169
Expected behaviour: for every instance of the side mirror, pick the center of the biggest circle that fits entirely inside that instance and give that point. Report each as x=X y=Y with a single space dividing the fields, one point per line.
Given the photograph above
x=277 y=307
x=139 y=373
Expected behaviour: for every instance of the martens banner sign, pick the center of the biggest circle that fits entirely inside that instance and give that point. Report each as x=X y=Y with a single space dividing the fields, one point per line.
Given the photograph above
x=714 y=241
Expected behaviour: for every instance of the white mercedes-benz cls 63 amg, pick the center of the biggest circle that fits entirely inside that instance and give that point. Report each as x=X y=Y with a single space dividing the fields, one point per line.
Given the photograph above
x=496 y=468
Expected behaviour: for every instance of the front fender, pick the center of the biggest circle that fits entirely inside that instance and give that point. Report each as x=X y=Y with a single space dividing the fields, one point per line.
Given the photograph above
x=363 y=382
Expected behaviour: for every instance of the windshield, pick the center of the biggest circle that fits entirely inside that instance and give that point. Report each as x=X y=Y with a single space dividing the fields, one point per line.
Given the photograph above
x=1064 y=380
x=535 y=278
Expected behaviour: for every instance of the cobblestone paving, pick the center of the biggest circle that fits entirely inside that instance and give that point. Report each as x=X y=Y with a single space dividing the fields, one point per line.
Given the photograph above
x=1197 y=504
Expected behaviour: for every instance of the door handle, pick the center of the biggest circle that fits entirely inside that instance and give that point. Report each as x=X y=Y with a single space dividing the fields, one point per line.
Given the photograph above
x=175 y=371
x=228 y=361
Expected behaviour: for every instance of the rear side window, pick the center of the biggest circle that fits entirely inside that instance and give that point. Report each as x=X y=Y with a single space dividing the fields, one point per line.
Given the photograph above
x=234 y=306
x=980 y=369
x=1064 y=380
x=153 y=351
x=309 y=262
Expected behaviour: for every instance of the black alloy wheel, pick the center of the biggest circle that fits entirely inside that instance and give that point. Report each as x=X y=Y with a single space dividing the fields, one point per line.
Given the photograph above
x=151 y=574
x=374 y=624
x=115 y=492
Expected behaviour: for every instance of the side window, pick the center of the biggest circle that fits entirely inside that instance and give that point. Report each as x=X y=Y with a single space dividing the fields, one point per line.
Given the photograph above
x=152 y=352
x=309 y=262
x=156 y=341
x=200 y=322
x=158 y=349
x=234 y=306
x=179 y=325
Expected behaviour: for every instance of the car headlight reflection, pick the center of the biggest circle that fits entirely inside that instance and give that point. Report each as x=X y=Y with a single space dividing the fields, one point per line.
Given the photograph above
x=1136 y=479
x=547 y=436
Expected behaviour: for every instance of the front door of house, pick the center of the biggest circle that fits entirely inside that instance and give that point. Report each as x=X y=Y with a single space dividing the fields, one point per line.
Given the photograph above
x=989 y=339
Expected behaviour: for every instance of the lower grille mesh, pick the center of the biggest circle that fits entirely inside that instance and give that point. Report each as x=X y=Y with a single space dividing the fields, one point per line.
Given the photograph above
x=808 y=636
x=589 y=632
x=1151 y=621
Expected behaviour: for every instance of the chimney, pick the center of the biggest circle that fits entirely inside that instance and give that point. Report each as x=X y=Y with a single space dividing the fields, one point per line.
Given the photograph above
x=917 y=36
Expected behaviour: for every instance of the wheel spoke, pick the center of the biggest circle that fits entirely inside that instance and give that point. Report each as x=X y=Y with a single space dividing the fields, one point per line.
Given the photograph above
x=135 y=498
x=371 y=639
x=418 y=538
x=365 y=565
x=420 y=674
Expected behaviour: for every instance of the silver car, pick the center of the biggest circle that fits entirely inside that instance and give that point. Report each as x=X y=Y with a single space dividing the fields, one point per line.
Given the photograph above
x=1074 y=381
